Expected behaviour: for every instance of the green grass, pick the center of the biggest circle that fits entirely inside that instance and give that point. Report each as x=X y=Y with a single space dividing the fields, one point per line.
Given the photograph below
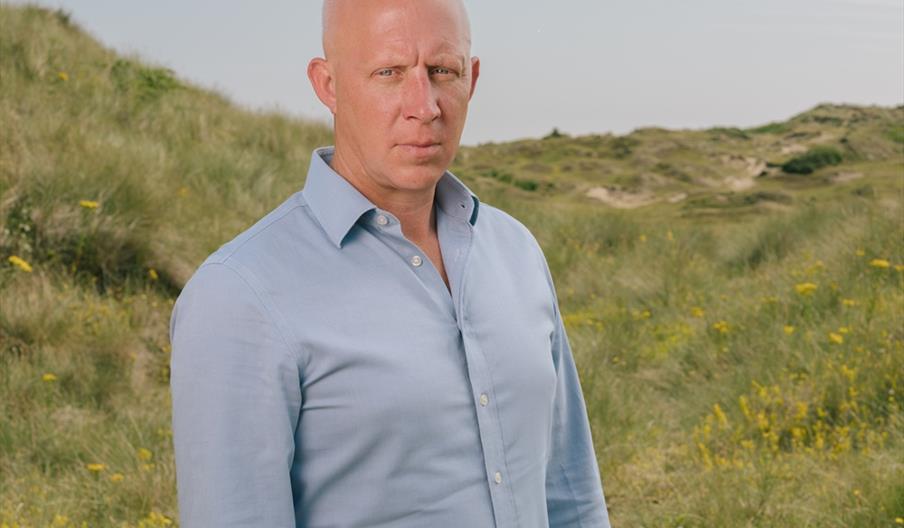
x=739 y=349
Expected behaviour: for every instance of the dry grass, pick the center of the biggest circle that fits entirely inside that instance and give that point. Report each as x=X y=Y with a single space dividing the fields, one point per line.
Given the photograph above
x=740 y=352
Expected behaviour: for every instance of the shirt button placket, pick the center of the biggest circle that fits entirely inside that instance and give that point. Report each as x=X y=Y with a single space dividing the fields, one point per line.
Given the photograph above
x=416 y=261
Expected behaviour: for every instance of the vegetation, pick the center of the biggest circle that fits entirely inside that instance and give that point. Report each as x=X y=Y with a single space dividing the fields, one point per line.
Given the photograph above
x=815 y=158
x=737 y=330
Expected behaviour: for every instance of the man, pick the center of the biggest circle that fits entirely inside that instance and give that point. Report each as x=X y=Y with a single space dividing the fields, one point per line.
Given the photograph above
x=382 y=349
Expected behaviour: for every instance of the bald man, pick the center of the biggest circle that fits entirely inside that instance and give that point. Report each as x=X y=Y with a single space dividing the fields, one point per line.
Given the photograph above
x=382 y=349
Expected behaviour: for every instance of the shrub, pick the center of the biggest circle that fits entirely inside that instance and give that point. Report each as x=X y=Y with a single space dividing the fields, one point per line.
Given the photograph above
x=813 y=159
x=771 y=128
x=895 y=133
x=623 y=146
x=527 y=185
x=148 y=84
x=555 y=134
x=729 y=132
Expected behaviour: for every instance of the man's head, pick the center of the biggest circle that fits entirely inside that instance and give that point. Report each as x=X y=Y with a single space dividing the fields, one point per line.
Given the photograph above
x=397 y=76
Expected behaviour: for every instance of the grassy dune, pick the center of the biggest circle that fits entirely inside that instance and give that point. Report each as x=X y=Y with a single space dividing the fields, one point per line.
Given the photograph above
x=733 y=297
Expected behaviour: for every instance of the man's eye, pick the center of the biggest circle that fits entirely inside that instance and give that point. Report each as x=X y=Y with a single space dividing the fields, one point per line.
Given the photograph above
x=386 y=72
x=442 y=71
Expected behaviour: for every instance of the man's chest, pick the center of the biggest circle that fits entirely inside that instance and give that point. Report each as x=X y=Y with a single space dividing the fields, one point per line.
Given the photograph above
x=387 y=348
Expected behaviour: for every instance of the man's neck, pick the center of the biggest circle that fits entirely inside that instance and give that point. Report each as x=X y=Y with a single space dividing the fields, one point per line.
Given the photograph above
x=414 y=209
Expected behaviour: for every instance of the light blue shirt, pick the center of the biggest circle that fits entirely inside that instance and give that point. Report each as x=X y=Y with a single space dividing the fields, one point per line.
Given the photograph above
x=323 y=376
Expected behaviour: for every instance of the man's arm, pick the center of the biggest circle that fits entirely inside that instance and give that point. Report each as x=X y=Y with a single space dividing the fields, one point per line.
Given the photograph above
x=574 y=492
x=236 y=399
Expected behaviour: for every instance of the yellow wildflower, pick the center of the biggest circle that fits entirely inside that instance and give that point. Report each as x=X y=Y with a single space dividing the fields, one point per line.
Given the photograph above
x=789 y=329
x=849 y=302
x=860 y=252
x=96 y=467
x=721 y=327
x=48 y=376
x=805 y=288
x=152 y=273
x=696 y=311
x=836 y=338
x=117 y=477
x=844 y=330
x=20 y=263
x=89 y=204
x=643 y=238
x=145 y=454
x=899 y=520
x=63 y=76
x=899 y=267
x=641 y=314
x=157 y=519
x=720 y=416
x=848 y=373
x=879 y=263
x=60 y=520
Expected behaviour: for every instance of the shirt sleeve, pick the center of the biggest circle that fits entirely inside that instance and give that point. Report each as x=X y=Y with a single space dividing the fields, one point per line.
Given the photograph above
x=574 y=492
x=236 y=399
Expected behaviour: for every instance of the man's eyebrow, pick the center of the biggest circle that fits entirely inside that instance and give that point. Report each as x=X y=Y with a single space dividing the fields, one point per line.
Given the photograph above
x=460 y=60
x=398 y=59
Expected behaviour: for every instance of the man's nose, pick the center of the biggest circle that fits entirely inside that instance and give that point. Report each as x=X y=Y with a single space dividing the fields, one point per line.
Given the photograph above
x=419 y=99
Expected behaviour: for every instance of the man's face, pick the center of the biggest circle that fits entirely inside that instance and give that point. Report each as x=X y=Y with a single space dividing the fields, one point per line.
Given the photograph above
x=402 y=80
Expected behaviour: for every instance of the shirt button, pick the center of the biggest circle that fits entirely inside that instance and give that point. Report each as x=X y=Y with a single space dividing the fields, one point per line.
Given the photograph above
x=498 y=477
x=416 y=261
x=382 y=220
x=484 y=400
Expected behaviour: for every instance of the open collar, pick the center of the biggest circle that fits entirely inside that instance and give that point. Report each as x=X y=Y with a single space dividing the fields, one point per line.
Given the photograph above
x=338 y=205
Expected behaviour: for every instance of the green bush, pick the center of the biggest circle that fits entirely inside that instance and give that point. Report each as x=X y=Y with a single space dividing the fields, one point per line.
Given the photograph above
x=527 y=185
x=555 y=134
x=623 y=146
x=771 y=128
x=813 y=159
x=895 y=133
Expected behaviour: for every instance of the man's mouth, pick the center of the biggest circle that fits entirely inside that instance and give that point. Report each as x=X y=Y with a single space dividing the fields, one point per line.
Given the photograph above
x=421 y=149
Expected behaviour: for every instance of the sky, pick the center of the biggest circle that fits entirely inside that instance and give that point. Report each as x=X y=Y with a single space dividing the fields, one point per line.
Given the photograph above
x=582 y=66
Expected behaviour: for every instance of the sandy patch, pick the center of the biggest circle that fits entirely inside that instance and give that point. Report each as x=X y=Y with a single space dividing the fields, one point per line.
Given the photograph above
x=620 y=199
x=793 y=148
x=739 y=183
x=751 y=166
x=842 y=177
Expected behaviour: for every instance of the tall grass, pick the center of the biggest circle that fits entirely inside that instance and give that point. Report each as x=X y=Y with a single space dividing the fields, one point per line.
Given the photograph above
x=740 y=361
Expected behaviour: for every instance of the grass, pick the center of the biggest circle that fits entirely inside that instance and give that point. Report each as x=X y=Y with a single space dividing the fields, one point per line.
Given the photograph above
x=739 y=349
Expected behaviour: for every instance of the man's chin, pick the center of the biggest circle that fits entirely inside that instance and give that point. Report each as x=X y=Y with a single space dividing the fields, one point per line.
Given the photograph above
x=417 y=177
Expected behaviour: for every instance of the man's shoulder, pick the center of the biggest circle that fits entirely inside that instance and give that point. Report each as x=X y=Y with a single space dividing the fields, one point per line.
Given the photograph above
x=263 y=235
x=240 y=267
x=505 y=226
x=258 y=252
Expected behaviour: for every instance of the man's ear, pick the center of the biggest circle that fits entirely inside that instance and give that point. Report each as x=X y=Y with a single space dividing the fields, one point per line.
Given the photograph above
x=322 y=80
x=475 y=72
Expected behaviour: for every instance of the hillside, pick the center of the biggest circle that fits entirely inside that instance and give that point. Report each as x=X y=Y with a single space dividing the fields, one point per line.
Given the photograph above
x=722 y=171
x=733 y=297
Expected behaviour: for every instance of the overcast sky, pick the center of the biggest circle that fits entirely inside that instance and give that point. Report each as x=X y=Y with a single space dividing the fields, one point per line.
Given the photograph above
x=584 y=66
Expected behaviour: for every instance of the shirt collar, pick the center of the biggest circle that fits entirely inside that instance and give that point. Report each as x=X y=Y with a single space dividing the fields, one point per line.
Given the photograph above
x=338 y=205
